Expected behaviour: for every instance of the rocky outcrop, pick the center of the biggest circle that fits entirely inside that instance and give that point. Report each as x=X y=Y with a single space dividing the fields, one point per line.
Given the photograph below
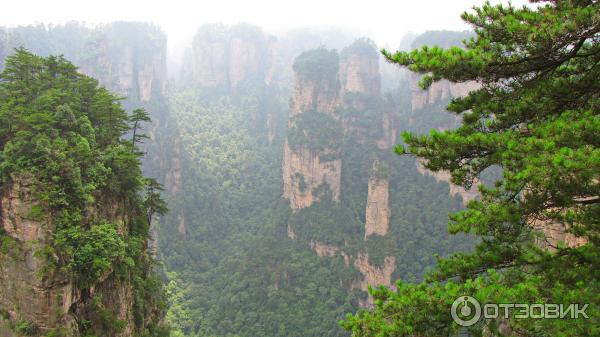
x=304 y=172
x=377 y=216
x=444 y=176
x=555 y=234
x=209 y=63
x=290 y=232
x=227 y=56
x=389 y=125
x=174 y=180
x=374 y=276
x=41 y=296
x=25 y=295
x=316 y=93
x=359 y=69
x=323 y=249
x=439 y=92
x=130 y=59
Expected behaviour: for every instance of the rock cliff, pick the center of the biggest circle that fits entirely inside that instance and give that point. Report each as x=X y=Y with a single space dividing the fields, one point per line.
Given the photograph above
x=228 y=56
x=360 y=79
x=311 y=150
x=336 y=101
x=374 y=275
x=556 y=233
x=366 y=119
x=435 y=98
x=37 y=300
x=444 y=176
x=439 y=92
x=359 y=69
x=304 y=173
x=377 y=216
x=389 y=125
x=129 y=59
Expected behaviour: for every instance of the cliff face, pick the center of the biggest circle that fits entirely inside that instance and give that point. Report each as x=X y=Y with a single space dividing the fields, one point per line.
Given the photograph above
x=378 y=210
x=436 y=96
x=444 y=176
x=129 y=59
x=361 y=90
x=47 y=299
x=349 y=98
x=438 y=93
x=555 y=234
x=23 y=293
x=303 y=173
x=320 y=95
x=359 y=73
x=360 y=81
x=389 y=124
x=209 y=63
x=374 y=275
x=228 y=56
x=307 y=162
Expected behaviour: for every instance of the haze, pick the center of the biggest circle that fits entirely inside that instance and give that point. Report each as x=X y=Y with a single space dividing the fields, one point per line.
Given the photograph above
x=384 y=21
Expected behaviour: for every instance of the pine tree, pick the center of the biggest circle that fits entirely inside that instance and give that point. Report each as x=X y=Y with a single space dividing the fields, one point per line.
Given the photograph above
x=137 y=117
x=536 y=116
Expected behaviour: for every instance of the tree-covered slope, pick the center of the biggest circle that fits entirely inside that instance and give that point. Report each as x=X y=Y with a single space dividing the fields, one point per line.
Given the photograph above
x=241 y=262
x=239 y=259
x=76 y=209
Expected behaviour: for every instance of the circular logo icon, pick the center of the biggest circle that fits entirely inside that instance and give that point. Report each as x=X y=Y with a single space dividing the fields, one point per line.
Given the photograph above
x=466 y=311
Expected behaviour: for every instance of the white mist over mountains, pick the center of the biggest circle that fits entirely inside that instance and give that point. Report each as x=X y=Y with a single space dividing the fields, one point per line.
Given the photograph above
x=386 y=22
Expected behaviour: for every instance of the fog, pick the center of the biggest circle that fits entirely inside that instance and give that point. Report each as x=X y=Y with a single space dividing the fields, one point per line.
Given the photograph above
x=384 y=21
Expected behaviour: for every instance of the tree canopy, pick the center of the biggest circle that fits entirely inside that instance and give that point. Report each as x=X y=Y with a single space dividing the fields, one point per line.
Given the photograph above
x=64 y=135
x=535 y=116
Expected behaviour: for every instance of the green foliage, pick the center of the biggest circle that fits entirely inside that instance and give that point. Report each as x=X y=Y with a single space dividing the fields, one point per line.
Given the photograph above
x=25 y=328
x=7 y=243
x=138 y=116
x=233 y=271
x=361 y=46
x=108 y=319
x=319 y=65
x=64 y=133
x=94 y=251
x=317 y=132
x=535 y=117
x=363 y=116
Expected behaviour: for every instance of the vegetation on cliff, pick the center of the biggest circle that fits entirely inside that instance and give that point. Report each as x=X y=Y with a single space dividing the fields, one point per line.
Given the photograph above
x=535 y=116
x=320 y=66
x=65 y=134
x=317 y=132
x=360 y=46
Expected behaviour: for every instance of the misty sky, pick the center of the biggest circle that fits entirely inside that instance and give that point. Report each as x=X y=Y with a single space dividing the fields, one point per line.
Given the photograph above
x=384 y=21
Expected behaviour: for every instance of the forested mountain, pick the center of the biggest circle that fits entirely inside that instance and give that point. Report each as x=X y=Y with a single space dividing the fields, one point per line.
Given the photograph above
x=292 y=200
x=286 y=200
x=75 y=208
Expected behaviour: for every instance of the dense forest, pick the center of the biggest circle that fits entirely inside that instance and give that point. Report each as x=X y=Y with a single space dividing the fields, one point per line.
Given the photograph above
x=85 y=226
x=297 y=184
x=237 y=260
